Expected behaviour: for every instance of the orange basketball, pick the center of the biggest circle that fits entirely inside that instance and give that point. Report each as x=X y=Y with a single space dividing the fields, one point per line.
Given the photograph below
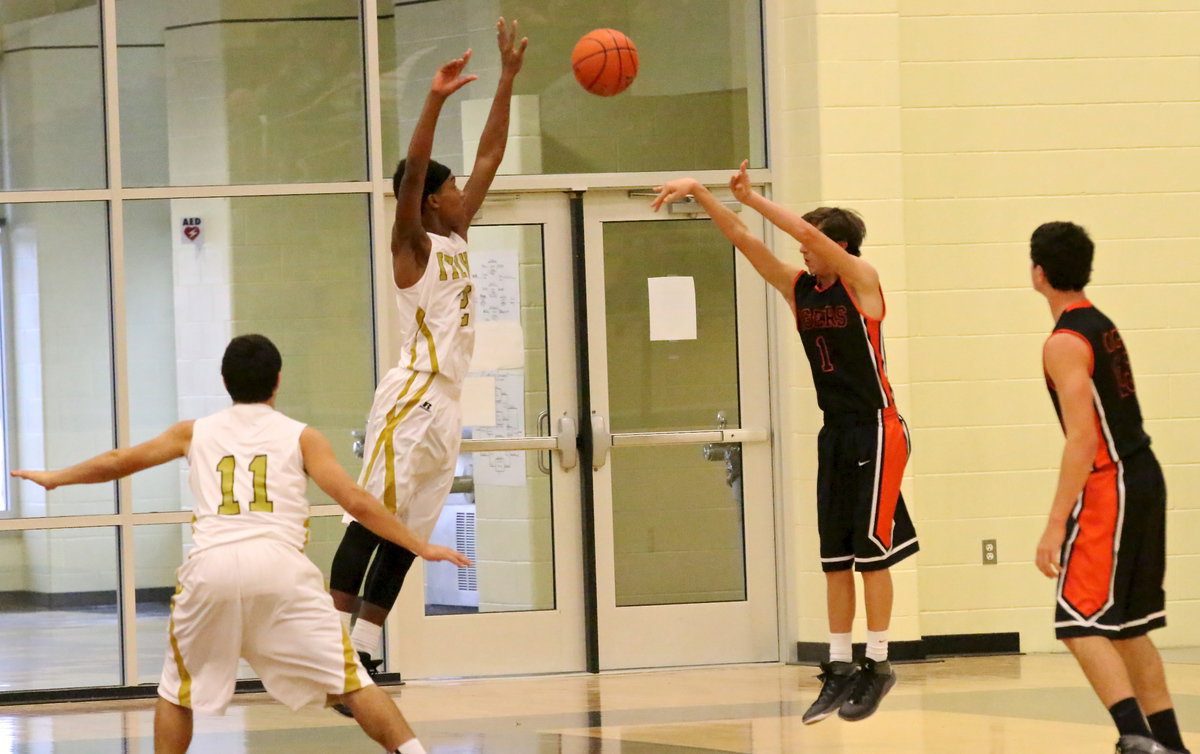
x=605 y=62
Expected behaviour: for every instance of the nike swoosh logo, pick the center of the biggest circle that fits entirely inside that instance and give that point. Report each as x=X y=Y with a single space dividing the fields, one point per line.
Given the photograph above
x=864 y=463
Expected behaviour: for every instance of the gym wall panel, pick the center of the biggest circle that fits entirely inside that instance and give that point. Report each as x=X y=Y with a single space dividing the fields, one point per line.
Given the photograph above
x=979 y=35
x=998 y=83
x=963 y=496
x=1013 y=114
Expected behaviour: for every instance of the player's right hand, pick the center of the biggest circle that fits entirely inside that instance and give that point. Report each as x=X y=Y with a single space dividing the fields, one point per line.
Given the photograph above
x=44 y=478
x=435 y=553
x=672 y=191
x=449 y=78
x=1049 y=549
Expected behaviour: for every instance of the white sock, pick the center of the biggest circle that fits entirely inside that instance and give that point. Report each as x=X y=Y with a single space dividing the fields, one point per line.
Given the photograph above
x=840 y=647
x=367 y=637
x=346 y=618
x=877 y=645
x=411 y=746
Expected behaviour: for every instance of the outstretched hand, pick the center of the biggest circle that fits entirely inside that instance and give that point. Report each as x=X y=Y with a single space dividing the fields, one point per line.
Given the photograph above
x=43 y=478
x=672 y=191
x=739 y=183
x=437 y=553
x=512 y=53
x=449 y=78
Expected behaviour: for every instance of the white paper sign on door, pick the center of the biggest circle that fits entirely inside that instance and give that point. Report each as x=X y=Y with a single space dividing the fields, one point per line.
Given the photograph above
x=672 y=308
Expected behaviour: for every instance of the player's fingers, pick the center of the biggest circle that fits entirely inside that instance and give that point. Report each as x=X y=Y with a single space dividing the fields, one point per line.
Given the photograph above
x=743 y=166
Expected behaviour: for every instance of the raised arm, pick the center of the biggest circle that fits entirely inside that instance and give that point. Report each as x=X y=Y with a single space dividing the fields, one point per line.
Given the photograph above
x=322 y=465
x=1068 y=362
x=494 y=138
x=854 y=271
x=779 y=274
x=410 y=245
x=118 y=463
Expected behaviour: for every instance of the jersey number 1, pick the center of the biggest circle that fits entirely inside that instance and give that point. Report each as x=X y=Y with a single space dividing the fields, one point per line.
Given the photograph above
x=231 y=507
x=826 y=362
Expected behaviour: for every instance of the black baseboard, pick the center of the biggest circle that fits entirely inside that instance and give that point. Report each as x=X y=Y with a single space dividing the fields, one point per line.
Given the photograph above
x=141 y=691
x=17 y=601
x=927 y=647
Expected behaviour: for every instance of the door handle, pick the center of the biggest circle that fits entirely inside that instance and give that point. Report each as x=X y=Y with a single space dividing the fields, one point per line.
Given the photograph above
x=360 y=442
x=543 y=425
x=601 y=441
x=567 y=442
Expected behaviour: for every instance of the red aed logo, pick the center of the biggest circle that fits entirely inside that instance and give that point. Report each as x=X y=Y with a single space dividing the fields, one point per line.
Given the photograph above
x=191 y=229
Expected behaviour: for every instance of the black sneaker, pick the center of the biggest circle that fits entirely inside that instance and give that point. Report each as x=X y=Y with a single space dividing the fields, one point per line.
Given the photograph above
x=837 y=681
x=1139 y=745
x=372 y=666
x=871 y=684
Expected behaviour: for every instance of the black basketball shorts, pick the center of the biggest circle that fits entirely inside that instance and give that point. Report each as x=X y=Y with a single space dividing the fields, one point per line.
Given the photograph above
x=861 y=516
x=1115 y=555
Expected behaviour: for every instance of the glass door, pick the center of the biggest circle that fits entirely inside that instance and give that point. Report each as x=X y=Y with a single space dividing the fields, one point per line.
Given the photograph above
x=514 y=507
x=684 y=522
x=661 y=551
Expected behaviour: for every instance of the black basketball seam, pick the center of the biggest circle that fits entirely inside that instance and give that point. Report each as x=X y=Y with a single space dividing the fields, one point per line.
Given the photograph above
x=603 y=50
x=620 y=63
x=600 y=72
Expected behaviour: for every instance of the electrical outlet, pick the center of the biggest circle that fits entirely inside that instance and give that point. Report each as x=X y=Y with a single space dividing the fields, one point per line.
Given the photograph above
x=989 y=552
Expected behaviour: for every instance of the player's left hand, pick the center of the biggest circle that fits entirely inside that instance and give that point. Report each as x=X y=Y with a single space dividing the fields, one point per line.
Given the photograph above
x=512 y=53
x=1049 y=550
x=44 y=478
x=672 y=191
x=437 y=552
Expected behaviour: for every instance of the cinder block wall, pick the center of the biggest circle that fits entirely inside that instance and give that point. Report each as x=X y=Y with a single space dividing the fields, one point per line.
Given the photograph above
x=956 y=131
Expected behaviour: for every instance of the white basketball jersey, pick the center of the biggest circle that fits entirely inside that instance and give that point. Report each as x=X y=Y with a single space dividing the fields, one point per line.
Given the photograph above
x=438 y=313
x=247 y=477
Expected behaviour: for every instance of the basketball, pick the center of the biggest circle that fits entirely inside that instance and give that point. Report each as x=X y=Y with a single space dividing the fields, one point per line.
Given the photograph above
x=605 y=62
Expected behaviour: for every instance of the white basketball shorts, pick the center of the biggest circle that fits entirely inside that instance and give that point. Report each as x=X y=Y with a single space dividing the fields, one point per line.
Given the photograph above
x=261 y=600
x=413 y=436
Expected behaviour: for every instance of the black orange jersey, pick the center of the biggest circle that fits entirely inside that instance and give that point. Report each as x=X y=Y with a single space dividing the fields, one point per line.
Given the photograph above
x=1118 y=415
x=844 y=348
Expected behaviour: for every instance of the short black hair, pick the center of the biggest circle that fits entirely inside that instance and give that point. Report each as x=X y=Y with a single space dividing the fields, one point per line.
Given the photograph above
x=842 y=225
x=250 y=368
x=435 y=175
x=1064 y=252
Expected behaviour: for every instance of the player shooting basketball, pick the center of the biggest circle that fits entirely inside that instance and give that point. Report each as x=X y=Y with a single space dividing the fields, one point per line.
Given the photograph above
x=862 y=448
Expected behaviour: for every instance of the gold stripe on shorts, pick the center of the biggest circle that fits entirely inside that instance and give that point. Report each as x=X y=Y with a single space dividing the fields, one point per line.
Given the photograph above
x=353 y=682
x=185 y=679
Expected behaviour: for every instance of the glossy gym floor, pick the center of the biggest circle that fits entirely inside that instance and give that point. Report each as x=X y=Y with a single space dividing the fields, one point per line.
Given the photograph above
x=998 y=705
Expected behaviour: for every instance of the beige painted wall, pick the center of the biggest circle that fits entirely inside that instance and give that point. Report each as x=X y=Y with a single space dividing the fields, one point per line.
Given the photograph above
x=956 y=129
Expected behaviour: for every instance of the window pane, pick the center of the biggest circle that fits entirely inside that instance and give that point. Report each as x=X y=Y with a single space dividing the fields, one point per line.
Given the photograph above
x=58 y=622
x=294 y=268
x=715 y=109
x=677 y=524
x=666 y=385
x=57 y=343
x=234 y=93
x=499 y=511
x=50 y=96
x=158 y=550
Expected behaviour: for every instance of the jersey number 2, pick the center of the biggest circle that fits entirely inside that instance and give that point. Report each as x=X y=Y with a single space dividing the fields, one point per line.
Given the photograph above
x=231 y=507
x=826 y=362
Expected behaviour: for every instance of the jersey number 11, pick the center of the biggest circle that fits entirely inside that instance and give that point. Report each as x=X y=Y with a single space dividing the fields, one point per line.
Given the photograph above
x=231 y=507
